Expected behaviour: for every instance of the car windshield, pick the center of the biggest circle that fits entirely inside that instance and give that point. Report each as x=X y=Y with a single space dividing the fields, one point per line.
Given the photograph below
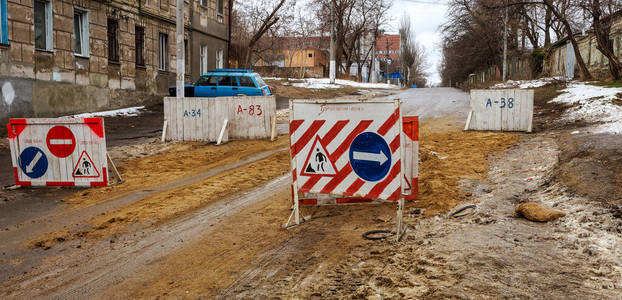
x=260 y=81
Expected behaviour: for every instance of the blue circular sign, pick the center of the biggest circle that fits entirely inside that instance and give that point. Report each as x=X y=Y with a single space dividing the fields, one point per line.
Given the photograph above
x=33 y=162
x=370 y=156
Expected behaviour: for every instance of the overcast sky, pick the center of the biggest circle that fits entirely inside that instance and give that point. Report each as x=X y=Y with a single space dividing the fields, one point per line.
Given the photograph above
x=425 y=19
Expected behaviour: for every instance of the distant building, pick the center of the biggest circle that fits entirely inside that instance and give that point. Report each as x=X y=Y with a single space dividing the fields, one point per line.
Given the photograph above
x=310 y=54
x=388 y=46
x=68 y=56
x=387 y=51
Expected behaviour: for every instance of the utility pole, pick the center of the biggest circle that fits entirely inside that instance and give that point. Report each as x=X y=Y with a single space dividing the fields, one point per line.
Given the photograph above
x=387 y=70
x=332 y=41
x=374 y=75
x=505 y=44
x=180 y=50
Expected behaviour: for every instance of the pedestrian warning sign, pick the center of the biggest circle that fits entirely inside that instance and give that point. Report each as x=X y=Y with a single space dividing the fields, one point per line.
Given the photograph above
x=85 y=167
x=318 y=161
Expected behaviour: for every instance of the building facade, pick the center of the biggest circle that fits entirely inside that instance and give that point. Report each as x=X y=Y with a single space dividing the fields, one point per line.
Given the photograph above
x=60 y=57
x=309 y=55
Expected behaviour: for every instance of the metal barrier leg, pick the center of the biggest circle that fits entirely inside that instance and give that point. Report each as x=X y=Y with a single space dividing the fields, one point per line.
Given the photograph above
x=399 y=232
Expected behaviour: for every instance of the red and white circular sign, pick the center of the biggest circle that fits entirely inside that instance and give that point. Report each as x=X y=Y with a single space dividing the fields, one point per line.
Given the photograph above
x=60 y=141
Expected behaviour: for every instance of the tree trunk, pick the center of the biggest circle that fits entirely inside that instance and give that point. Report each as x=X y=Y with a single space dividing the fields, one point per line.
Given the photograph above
x=547 y=27
x=585 y=73
x=604 y=44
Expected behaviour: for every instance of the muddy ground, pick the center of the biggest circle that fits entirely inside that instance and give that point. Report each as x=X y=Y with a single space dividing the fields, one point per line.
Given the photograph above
x=177 y=231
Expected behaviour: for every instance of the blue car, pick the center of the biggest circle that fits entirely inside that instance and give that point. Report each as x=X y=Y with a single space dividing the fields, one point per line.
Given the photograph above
x=226 y=83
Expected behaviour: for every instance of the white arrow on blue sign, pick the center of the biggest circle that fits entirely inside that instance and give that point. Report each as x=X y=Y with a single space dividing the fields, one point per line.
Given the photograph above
x=370 y=156
x=33 y=162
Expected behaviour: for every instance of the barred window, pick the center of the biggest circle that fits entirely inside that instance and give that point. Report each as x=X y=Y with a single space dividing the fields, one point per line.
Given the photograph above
x=113 y=40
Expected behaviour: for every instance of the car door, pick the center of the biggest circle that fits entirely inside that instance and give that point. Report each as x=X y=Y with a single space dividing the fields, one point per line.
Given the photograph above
x=206 y=86
x=225 y=86
x=247 y=86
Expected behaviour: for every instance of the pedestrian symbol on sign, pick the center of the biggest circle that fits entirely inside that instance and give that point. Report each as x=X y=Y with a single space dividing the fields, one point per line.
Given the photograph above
x=85 y=167
x=318 y=162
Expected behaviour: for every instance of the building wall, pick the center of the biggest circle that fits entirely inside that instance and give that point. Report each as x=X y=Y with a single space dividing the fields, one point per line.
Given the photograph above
x=596 y=62
x=43 y=83
x=300 y=58
x=388 y=45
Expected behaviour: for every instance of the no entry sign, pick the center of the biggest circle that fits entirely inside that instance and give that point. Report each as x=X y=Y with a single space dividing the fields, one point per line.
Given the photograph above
x=60 y=141
x=58 y=152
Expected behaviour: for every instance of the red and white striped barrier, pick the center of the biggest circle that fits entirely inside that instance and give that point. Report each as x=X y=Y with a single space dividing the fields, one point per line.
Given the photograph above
x=347 y=148
x=410 y=130
x=58 y=152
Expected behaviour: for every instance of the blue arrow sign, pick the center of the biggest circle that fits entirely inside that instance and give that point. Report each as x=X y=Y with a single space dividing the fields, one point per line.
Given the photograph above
x=33 y=162
x=370 y=156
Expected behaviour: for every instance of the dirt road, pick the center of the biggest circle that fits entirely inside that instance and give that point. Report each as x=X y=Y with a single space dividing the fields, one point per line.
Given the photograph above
x=178 y=232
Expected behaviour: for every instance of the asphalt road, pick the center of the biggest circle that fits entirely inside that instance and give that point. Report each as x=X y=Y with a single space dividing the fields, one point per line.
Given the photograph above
x=430 y=103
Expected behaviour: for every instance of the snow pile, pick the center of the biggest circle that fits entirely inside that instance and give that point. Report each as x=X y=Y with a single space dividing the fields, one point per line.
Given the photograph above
x=324 y=83
x=527 y=84
x=124 y=112
x=593 y=104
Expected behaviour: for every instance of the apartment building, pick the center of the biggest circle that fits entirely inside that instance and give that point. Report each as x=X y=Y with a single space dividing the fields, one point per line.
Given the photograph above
x=60 y=57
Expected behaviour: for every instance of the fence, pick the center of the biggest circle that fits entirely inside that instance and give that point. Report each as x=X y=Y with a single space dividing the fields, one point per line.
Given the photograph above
x=202 y=119
x=501 y=110
x=519 y=67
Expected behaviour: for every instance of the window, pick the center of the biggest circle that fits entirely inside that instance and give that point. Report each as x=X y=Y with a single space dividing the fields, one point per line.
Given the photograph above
x=207 y=81
x=162 y=51
x=219 y=58
x=4 y=25
x=43 y=25
x=113 y=40
x=224 y=81
x=204 y=3
x=139 y=41
x=81 y=33
x=310 y=54
x=246 y=81
x=221 y=6
x=260 y=81
x=203 y=61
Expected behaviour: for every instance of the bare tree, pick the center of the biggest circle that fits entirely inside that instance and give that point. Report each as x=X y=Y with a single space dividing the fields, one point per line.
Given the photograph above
x=412 y=55
x=353 y=19
x=561 y=10
x=254 y=20
x=602 y=15
x=472 y=39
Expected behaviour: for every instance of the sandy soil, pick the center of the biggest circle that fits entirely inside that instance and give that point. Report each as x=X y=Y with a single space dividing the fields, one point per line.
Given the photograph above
x=233 y=260
x=215 y=231
x=178 y=162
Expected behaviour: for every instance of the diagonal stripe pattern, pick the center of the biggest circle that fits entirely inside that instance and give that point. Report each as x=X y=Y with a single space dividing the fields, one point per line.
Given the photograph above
x=337 y=136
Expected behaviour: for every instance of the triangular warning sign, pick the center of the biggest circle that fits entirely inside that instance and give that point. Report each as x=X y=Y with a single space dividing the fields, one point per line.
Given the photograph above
x=318 y=161
x=85 y=167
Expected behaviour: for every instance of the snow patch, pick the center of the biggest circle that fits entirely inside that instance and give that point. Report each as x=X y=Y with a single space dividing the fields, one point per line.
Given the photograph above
x=124 y=112
x=593 y=104
x=527 y=84
x=324 y=83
